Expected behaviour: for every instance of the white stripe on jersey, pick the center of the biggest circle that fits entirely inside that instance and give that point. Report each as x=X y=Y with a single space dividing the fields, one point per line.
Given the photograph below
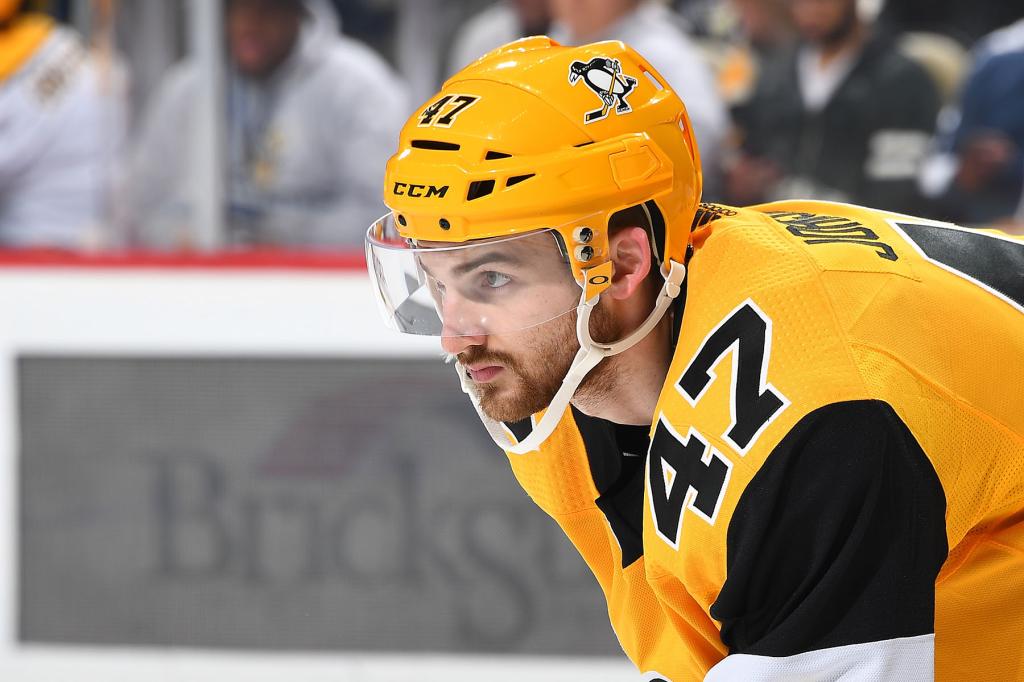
x=908 y=659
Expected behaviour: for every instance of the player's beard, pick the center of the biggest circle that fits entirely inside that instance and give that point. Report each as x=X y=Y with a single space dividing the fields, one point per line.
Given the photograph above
x=533 y=375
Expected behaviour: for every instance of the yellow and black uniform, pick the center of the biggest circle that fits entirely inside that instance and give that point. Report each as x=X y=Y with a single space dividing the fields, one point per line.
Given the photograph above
x=834 y=481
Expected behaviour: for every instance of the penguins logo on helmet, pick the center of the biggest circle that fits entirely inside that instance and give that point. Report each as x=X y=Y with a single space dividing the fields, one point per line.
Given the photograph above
x=604 y=76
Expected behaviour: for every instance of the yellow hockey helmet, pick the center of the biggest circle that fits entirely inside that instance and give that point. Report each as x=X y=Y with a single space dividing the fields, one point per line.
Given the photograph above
x=534 y=146
x=536 y=135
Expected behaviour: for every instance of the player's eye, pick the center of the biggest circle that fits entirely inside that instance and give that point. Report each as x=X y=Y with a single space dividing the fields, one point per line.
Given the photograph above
x=495 y=280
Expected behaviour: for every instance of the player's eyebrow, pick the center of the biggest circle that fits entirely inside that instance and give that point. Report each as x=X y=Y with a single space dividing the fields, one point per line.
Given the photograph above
x=486 y=259
x=494 y=256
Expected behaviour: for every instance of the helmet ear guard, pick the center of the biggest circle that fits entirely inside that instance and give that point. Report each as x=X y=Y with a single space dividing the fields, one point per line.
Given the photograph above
x=597 y=279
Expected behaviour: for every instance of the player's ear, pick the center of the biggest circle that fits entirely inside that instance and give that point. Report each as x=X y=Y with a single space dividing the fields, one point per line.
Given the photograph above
x=630 y=250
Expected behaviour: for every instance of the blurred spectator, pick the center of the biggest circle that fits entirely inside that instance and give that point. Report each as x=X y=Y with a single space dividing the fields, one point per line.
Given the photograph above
x=311 y=119
x=369 y=21
x=978 y=172
x=761 y=30
x=845 y=116
x=943 y=58
x=500 y=23
x=765 y=24
x=656 y=33
x=61 y=122
x=965 y=21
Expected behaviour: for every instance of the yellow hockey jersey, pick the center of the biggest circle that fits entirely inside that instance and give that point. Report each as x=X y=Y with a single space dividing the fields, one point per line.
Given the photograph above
x=834 y=481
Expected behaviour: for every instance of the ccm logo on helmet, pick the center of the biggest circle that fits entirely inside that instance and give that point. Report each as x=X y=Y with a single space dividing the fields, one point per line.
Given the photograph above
x=406 y=189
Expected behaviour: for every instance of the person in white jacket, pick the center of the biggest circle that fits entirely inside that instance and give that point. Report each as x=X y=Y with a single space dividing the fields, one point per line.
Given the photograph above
x=61 y=122
x=311 y=119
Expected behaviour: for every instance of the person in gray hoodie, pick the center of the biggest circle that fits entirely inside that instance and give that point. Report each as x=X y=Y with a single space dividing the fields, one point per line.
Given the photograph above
x=311 y=118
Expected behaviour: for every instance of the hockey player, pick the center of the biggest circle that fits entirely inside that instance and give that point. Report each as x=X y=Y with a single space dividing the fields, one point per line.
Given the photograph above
x=787 y=439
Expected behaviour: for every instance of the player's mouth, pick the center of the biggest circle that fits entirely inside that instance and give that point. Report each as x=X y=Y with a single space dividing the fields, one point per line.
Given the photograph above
x=482 y=374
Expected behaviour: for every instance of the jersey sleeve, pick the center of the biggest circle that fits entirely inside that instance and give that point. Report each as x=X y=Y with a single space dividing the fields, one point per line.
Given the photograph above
x=832 y=554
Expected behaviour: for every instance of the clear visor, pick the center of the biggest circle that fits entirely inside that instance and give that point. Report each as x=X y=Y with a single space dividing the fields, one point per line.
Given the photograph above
x=479 y=288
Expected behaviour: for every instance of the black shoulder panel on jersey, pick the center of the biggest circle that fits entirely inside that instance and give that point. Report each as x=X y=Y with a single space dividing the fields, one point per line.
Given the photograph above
x=837 y=539
x=619 y=479
x=991 y=261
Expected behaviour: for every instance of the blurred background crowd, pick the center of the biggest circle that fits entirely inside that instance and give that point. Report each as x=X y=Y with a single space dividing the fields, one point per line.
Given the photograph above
x=198 y=124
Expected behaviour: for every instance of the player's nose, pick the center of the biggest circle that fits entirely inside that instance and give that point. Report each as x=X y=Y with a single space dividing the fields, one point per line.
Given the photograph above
x=461 y=325
x=454 y=343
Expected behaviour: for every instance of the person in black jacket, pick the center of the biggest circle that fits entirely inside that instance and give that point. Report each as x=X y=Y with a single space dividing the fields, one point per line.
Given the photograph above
x=844 y=116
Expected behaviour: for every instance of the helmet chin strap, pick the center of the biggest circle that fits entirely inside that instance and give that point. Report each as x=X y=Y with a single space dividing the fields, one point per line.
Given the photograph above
x=588 y=356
